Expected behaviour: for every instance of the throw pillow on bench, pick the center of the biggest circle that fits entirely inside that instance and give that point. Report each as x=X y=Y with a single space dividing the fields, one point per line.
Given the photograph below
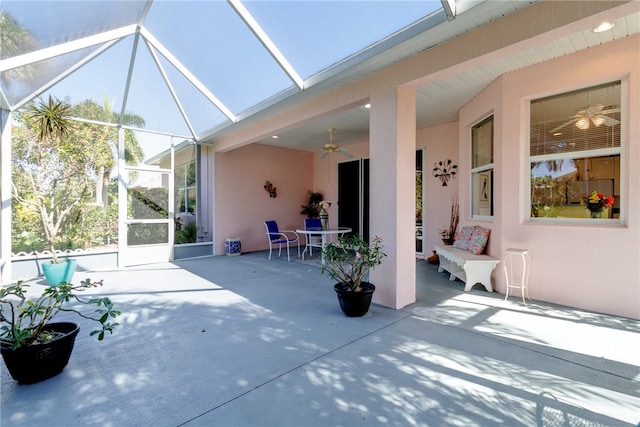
x=472 y=238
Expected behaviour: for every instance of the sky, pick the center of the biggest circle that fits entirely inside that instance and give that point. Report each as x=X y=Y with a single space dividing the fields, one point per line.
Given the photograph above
x=211 y=41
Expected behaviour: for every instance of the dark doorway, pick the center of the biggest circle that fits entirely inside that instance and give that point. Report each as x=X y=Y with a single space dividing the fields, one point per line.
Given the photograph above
x=353 y=196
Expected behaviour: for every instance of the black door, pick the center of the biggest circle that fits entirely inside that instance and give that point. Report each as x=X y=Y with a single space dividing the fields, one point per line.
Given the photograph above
x=353 y=196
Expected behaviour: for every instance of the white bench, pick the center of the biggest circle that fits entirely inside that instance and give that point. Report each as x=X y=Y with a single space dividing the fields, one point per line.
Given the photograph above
x=466 y=266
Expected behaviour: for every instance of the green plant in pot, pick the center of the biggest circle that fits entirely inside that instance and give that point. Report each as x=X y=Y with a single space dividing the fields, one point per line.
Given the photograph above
x=348 y=262
x=50 y=172
x=33 y=347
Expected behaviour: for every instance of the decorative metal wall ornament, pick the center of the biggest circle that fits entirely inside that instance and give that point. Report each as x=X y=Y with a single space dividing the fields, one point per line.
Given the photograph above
x=445 y=171
x=269 y=188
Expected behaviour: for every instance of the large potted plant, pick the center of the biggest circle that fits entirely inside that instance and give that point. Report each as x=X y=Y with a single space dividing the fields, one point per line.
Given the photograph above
x=47 y=173
x=33 y=347
x=349 y=262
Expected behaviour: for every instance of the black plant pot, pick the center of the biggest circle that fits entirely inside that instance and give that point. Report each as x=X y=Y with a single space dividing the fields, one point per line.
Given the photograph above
x=355 y=304
x=32 y=363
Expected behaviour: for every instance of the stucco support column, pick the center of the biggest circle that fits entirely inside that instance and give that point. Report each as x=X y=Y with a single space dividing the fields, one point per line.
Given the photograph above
x=5 y=196
x=392 y=151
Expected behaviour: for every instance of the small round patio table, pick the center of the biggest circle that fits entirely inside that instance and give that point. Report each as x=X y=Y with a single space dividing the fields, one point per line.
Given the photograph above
x=326 y=235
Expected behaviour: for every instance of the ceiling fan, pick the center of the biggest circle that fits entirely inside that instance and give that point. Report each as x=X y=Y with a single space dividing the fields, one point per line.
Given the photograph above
x=334 y=148
x=593 y=115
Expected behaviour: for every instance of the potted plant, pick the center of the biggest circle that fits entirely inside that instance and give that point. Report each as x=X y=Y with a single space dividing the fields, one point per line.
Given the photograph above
x=48 y=170
x=312 y=209
x=348 y=262
x=33 y=347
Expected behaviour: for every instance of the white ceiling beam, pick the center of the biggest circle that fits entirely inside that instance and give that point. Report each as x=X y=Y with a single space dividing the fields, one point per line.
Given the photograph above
x=127 y=86
x=266 y=42
x=61 y=49
x=187 y=74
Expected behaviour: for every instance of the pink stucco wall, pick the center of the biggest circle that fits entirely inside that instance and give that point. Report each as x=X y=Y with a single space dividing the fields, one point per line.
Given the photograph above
x=594 y=267
x=242 y=204
x=590 y=266
x=440 y=143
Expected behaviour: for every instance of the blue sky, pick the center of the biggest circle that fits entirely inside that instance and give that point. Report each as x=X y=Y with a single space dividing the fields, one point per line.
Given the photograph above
x=209 y=39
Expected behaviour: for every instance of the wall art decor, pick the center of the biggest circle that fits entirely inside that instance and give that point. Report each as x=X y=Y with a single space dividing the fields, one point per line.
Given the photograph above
x=445 y=170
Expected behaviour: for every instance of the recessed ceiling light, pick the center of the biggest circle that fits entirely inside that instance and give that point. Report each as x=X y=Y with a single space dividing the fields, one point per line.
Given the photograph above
x=274 y=137
x=367 y=105
x=605 y=26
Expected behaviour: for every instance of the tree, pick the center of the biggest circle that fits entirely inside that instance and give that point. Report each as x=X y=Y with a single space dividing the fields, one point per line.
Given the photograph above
x=15 y=40
x=105 y=141
x=58 y=164
x=51 y=166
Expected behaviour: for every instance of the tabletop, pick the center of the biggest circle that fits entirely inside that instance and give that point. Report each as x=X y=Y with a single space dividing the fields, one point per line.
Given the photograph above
x=318 y=230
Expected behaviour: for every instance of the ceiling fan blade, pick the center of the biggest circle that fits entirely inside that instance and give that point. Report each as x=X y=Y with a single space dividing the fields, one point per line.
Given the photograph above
x=345 y=153
x=325 y=154
x=562 y=125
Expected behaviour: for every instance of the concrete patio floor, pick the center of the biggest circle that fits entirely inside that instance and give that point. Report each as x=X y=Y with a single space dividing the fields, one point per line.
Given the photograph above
x=242 y=341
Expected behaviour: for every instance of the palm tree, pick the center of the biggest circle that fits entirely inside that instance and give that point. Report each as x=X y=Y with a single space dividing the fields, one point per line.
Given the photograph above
x=15 y=40
x=105 y=141
x=48 y=170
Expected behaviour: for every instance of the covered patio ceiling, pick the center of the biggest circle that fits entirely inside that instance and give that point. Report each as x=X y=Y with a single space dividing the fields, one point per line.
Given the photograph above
x=201 y=69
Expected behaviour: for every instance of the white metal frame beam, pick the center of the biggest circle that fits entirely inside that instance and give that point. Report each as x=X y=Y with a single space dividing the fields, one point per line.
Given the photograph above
x=61 y=49
x=187 y=74
x=171 y=90
x=271 y=47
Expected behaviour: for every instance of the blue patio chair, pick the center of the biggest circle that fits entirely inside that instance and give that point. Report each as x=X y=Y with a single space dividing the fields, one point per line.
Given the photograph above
x=281 y=237
x=312 y=240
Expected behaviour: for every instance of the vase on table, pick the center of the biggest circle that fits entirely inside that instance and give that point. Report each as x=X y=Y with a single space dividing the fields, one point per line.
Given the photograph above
x=324 y=219
x=595 y=214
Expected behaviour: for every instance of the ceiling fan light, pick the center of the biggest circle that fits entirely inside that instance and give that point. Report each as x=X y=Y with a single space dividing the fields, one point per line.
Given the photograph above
x=583 y=123
x=598 y=120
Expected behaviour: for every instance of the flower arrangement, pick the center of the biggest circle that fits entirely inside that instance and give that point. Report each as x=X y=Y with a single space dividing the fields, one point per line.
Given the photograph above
x=312 y=209
x=596 y=202
x=351 y=258
x=324 y=205
x=445 y=234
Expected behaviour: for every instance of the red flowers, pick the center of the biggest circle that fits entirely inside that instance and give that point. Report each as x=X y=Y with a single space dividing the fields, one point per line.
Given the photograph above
x=596 y=202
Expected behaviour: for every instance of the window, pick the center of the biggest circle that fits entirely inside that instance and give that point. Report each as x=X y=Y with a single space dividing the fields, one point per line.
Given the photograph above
x=574 y=150
x=482 y=168
x=186 y=212
x=185 y=186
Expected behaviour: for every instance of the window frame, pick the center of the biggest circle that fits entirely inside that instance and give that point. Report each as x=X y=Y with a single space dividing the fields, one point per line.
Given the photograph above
x=578 y=155
x=488 y=167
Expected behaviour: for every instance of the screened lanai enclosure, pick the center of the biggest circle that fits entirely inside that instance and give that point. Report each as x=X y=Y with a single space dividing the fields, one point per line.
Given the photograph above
x=150 y=84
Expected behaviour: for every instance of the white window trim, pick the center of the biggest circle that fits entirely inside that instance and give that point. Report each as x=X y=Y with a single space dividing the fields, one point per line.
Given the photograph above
x=488 y=166
x=621 y=151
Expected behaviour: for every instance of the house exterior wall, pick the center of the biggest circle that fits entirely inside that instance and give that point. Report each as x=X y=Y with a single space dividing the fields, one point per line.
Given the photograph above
x=592 y=266
x=439 y=143
x=586 y=266
x=241 y=202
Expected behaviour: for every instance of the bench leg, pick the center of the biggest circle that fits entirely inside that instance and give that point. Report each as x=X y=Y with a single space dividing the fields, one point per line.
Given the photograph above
x=477 y=274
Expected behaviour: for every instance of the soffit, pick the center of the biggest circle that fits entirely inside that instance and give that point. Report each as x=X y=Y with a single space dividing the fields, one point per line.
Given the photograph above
x=438 y=102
